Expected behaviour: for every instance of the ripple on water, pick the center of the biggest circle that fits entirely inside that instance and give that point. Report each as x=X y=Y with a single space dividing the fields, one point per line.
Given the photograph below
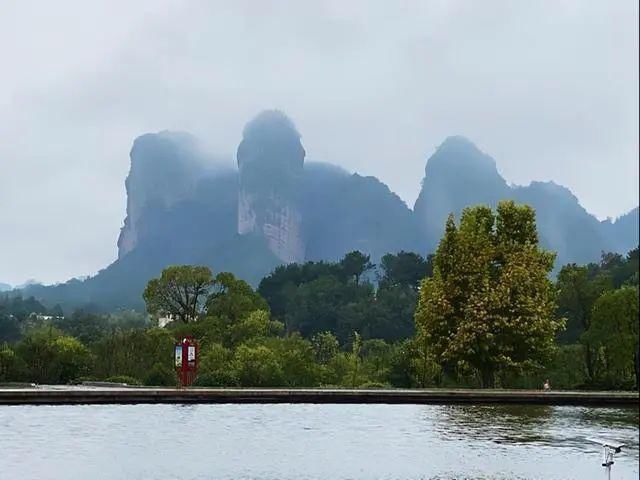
x=394 y=442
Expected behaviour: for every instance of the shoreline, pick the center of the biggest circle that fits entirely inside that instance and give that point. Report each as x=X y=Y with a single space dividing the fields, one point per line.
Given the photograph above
x=74 y=395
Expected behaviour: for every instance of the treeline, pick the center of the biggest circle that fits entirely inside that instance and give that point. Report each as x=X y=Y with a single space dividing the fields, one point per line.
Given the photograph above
x=482 y=311
x=600 y=304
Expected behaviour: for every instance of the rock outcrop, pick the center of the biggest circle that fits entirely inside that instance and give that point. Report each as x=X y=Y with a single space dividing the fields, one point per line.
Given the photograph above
x=271 y=162
x=165 y=168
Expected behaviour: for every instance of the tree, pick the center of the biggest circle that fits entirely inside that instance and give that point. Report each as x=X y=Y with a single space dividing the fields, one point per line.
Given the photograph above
x=490 y=305
x=51 y=357
x=614 y=332
x=578 y=289
x=355 y=264
x=180 y=292
x=233 y=299
x=356 y=347
x=404 y=269
x=257 y=367
x=325 y=346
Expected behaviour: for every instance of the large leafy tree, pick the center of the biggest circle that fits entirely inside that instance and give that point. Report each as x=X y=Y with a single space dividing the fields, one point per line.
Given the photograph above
x=614 y=333
x=578 y=289
x=490 y=305
x=180 y=291
x=233 y=299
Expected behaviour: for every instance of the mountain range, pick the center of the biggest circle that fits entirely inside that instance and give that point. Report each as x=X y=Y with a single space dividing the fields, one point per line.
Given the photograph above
x=183 y=207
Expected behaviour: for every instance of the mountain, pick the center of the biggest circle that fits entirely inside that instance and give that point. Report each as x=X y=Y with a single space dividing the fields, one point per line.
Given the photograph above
x=458 y=175
x=4 y=287
x=623 y=232
x=185 y=207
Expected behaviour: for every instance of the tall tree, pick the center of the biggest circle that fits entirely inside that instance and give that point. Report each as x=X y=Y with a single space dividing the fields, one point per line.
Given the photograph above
x=355 y=264
x=180 y=291
x=233 y=299
x=490 y=305
x=614 y=332
x=578 y=289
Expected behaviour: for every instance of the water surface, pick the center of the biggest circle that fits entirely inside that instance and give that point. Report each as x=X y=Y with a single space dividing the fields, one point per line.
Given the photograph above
x=311 y=442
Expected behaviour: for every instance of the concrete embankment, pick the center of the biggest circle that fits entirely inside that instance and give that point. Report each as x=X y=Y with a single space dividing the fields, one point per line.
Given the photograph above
x=56 y=395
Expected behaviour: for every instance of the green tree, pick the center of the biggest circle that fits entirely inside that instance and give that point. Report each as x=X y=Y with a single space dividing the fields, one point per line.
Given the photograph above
x=356 y=349
x=404 y=269
x=355 y=264
x=490 y=305
x=180 y=292
x=257 y=366
x=325 y=347
x=295 y=356
x=72 y=359
x=216 y=368
x=51 y=357
x=578 y=289
x=233 y=299
x=614 y=332
x=8 y=363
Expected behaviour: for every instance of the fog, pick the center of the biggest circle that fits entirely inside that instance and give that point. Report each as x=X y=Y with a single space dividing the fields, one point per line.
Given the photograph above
x=549 y=89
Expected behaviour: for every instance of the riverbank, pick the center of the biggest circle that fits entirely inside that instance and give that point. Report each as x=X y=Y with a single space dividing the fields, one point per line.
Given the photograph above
x=66 y=395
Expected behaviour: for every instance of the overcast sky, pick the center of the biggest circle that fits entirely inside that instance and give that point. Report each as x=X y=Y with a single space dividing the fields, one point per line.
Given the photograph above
x=549 y=89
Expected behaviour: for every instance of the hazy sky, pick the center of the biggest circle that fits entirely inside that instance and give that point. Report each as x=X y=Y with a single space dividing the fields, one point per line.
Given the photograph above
x=548 y=88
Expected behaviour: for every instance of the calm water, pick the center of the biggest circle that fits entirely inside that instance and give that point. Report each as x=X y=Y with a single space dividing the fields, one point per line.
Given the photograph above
x=311 y=442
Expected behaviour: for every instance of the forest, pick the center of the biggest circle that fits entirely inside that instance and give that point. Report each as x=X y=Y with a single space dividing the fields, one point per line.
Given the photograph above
x=483 y=311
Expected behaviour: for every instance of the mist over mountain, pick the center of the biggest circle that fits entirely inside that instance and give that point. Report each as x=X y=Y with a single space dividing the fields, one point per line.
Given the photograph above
x=184 y=207
x=623 y=232
x=458 y=175
x=4 y=287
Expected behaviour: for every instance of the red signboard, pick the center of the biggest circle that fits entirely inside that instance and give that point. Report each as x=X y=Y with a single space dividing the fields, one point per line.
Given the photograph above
x=186 y=360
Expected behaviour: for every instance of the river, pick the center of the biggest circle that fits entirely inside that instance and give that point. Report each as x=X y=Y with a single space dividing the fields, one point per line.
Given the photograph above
x=309 y=442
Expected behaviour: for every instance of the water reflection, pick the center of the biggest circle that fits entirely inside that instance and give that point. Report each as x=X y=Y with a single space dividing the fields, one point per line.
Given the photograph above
x=562 y=427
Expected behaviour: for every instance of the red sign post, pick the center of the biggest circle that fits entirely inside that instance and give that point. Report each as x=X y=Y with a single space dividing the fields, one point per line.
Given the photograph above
x=186 y=360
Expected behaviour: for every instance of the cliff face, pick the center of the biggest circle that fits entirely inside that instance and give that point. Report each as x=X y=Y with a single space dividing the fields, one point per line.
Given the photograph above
x=271 y=162
x=164 y=170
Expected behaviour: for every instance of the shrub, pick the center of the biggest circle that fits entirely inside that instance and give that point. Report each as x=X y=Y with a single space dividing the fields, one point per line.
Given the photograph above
x=160 y=376
x=217 y=378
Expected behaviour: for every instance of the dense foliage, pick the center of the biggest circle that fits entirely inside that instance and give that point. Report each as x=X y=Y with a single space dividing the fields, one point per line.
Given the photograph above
x=490 y=305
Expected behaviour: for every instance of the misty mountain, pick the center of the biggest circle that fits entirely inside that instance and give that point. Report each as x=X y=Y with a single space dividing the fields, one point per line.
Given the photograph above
x=5 y=287
x=623 y=232
x=458 y=175
x=183 y=207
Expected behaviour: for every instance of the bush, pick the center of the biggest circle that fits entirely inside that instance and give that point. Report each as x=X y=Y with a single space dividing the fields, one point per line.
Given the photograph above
x=160 y=376
x=257 y=367
x=218 y=378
